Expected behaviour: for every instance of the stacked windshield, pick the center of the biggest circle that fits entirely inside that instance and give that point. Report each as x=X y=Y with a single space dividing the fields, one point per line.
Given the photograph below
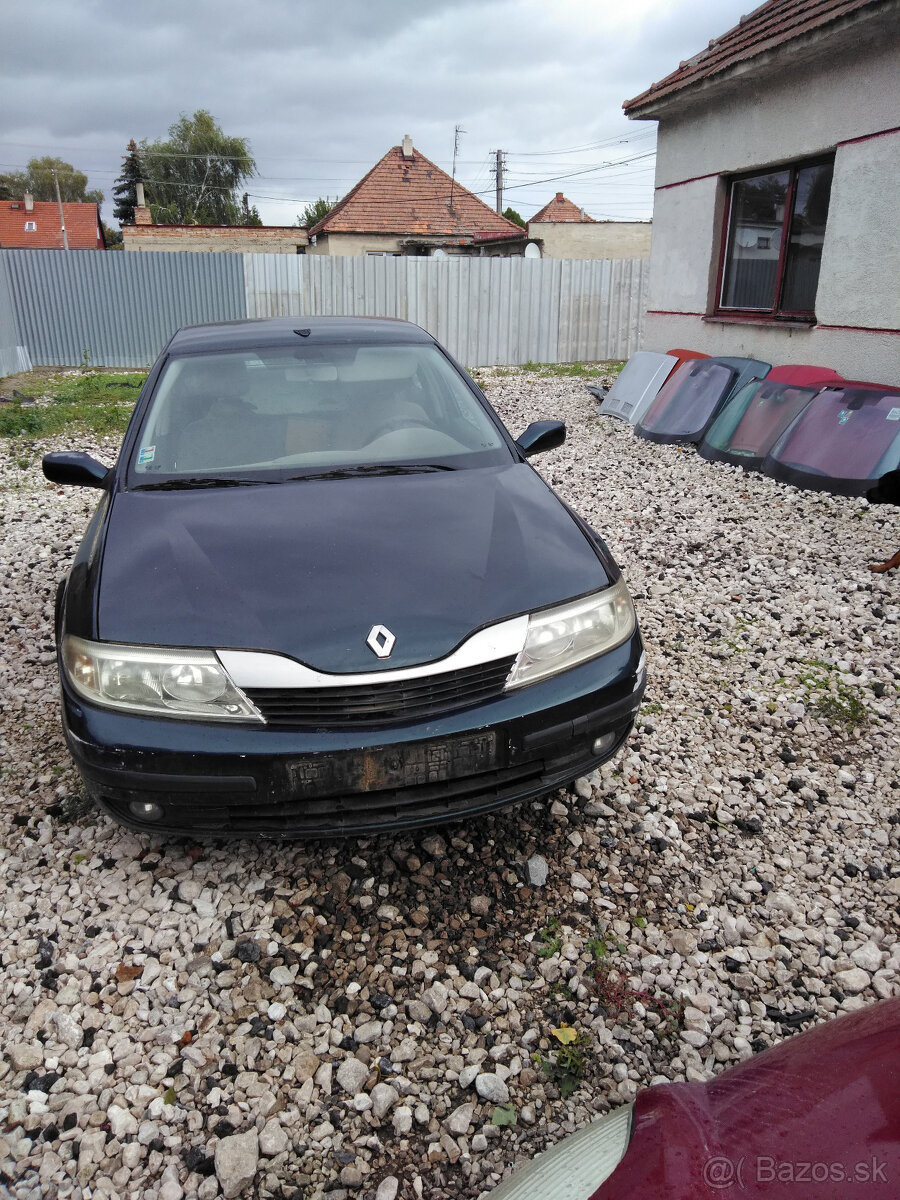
x=846 y=438
x=687 y=400
x=311 y=410
x=752 y=421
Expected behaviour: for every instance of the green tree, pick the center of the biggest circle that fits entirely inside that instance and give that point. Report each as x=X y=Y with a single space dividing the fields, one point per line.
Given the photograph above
x=112 y=237
x=313 y=213
x=37 y=178
x=512 y=215
x=194 y=177
x=125 y=187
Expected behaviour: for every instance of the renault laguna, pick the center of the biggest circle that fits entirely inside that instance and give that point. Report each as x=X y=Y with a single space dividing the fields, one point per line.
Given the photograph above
x=323 y=592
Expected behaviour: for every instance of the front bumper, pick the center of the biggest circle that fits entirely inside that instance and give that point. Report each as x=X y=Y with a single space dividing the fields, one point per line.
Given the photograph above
x=216 y=779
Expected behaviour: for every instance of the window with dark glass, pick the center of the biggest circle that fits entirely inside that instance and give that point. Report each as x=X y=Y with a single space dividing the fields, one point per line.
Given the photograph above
x=773 y=248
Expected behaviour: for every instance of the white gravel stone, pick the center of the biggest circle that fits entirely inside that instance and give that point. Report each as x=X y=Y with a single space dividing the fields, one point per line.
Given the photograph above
x=467 y=1075
x=684 y=941
x=491 y=1087
x=538 y=870
x=460 y=1119
x=122 y=1123
x=351 y=1075
x=402 y=1119
x=868 y=956
x=26 y=1056
x=369 y=1031
x=273 y=1139
x=388 y=1188
x=437 y=997
x=853 y=980
x=384 y=1096
x=236 y=1161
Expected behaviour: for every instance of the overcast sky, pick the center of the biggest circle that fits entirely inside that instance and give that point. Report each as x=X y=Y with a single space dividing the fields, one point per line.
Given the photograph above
x=322 y=91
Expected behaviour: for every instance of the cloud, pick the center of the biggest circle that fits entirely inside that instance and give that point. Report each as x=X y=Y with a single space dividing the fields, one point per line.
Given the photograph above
x=323 y=91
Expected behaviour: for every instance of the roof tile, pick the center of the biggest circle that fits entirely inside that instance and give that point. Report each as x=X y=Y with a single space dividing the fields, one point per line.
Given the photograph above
x=773 y=24
x=82 y=225
x=410 y=196
x=560 y=209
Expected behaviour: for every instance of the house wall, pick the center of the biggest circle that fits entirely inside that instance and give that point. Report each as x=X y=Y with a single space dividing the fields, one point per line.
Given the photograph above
x=236 y=239
x=592 y=239
x=355 y=243
x=344 y=245
x=810 y=108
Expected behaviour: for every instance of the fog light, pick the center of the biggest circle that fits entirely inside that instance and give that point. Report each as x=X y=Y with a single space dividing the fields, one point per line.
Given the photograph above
x=145 y=810
x=602 y=744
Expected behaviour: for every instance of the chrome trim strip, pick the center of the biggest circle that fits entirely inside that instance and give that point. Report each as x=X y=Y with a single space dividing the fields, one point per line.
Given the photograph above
x=262 y=669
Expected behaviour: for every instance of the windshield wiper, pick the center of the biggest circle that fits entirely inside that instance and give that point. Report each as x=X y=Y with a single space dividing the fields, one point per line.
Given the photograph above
x=374 y=469
x=198 y=481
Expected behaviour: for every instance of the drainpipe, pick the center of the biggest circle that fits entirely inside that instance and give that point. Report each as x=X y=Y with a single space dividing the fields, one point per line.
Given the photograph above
x=62 y=220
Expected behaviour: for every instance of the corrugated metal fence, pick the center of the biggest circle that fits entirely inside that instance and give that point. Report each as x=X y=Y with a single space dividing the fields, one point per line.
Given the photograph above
x=13 y=355
x=119 y=309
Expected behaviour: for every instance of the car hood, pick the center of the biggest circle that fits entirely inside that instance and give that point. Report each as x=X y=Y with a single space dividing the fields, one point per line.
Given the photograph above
x=307 y=568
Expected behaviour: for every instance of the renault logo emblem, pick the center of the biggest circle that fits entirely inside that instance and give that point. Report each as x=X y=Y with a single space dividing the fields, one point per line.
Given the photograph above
x=380 y=641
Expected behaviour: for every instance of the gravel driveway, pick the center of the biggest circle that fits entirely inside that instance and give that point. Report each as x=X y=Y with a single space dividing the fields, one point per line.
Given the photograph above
x=349 y=1018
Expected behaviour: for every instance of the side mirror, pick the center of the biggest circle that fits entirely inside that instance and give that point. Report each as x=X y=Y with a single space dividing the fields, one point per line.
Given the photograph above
x=541 y=436
x=75 y=468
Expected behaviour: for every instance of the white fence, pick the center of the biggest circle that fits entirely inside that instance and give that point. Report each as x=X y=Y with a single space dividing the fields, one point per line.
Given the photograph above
x=119 y=309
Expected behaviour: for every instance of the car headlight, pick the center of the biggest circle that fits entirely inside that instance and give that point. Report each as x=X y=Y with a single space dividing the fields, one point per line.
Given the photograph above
x=562 y=637
x=574 y=1168
x=145 y=679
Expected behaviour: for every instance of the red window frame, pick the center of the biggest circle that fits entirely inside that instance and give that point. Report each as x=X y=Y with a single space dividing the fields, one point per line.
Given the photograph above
x=776 y=312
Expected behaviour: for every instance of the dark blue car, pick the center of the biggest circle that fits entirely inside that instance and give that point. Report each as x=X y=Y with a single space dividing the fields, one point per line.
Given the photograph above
x=324 y=593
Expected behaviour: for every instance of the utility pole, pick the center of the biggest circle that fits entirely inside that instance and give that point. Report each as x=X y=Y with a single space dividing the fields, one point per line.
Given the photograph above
x=498 y=169
x=62 y=220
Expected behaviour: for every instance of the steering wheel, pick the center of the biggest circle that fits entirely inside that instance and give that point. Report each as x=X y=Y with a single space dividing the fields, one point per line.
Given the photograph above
x=398 y=424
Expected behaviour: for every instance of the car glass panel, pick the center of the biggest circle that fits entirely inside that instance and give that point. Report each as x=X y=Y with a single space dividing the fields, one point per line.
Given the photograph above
x=311 y=408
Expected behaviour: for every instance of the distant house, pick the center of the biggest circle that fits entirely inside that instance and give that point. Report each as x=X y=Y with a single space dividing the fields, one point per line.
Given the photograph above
x=777 y=181
x=35 y=225
x=250 y=239
x=408 y=206
x=566 y=231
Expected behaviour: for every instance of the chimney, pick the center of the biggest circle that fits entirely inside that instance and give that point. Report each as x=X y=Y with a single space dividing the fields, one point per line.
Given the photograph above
x=29 y=202
x=142 y=215
x=559 y=197
x=406 y=146
x=139 y=193
x=581 y=217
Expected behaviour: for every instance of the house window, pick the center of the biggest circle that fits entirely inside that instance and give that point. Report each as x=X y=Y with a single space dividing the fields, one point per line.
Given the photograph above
x=31 y=226
x=773 y=248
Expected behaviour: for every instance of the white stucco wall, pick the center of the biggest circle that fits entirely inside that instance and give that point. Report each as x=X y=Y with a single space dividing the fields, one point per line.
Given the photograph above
x=807 y=109
x=592 y=239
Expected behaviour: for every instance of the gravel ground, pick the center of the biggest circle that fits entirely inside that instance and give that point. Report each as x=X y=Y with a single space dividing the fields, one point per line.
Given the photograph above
x=349 y=1019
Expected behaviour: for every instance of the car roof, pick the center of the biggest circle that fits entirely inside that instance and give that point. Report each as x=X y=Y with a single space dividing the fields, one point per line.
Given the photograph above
x=284 y=331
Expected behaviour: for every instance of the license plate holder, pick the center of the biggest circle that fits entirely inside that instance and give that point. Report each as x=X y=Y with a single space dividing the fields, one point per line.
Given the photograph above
x=386 y=768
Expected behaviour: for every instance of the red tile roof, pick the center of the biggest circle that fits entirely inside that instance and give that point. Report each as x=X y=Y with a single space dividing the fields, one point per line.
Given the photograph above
x=768 y=27
x=82 y=225
x=410 y=196
x=561 y=209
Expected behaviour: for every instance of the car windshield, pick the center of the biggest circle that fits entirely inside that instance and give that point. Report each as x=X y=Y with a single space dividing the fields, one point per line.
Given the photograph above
x=240 y=417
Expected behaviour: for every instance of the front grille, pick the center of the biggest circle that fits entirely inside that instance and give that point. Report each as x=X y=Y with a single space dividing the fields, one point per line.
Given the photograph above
x=393 y=702
x=336 y=815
